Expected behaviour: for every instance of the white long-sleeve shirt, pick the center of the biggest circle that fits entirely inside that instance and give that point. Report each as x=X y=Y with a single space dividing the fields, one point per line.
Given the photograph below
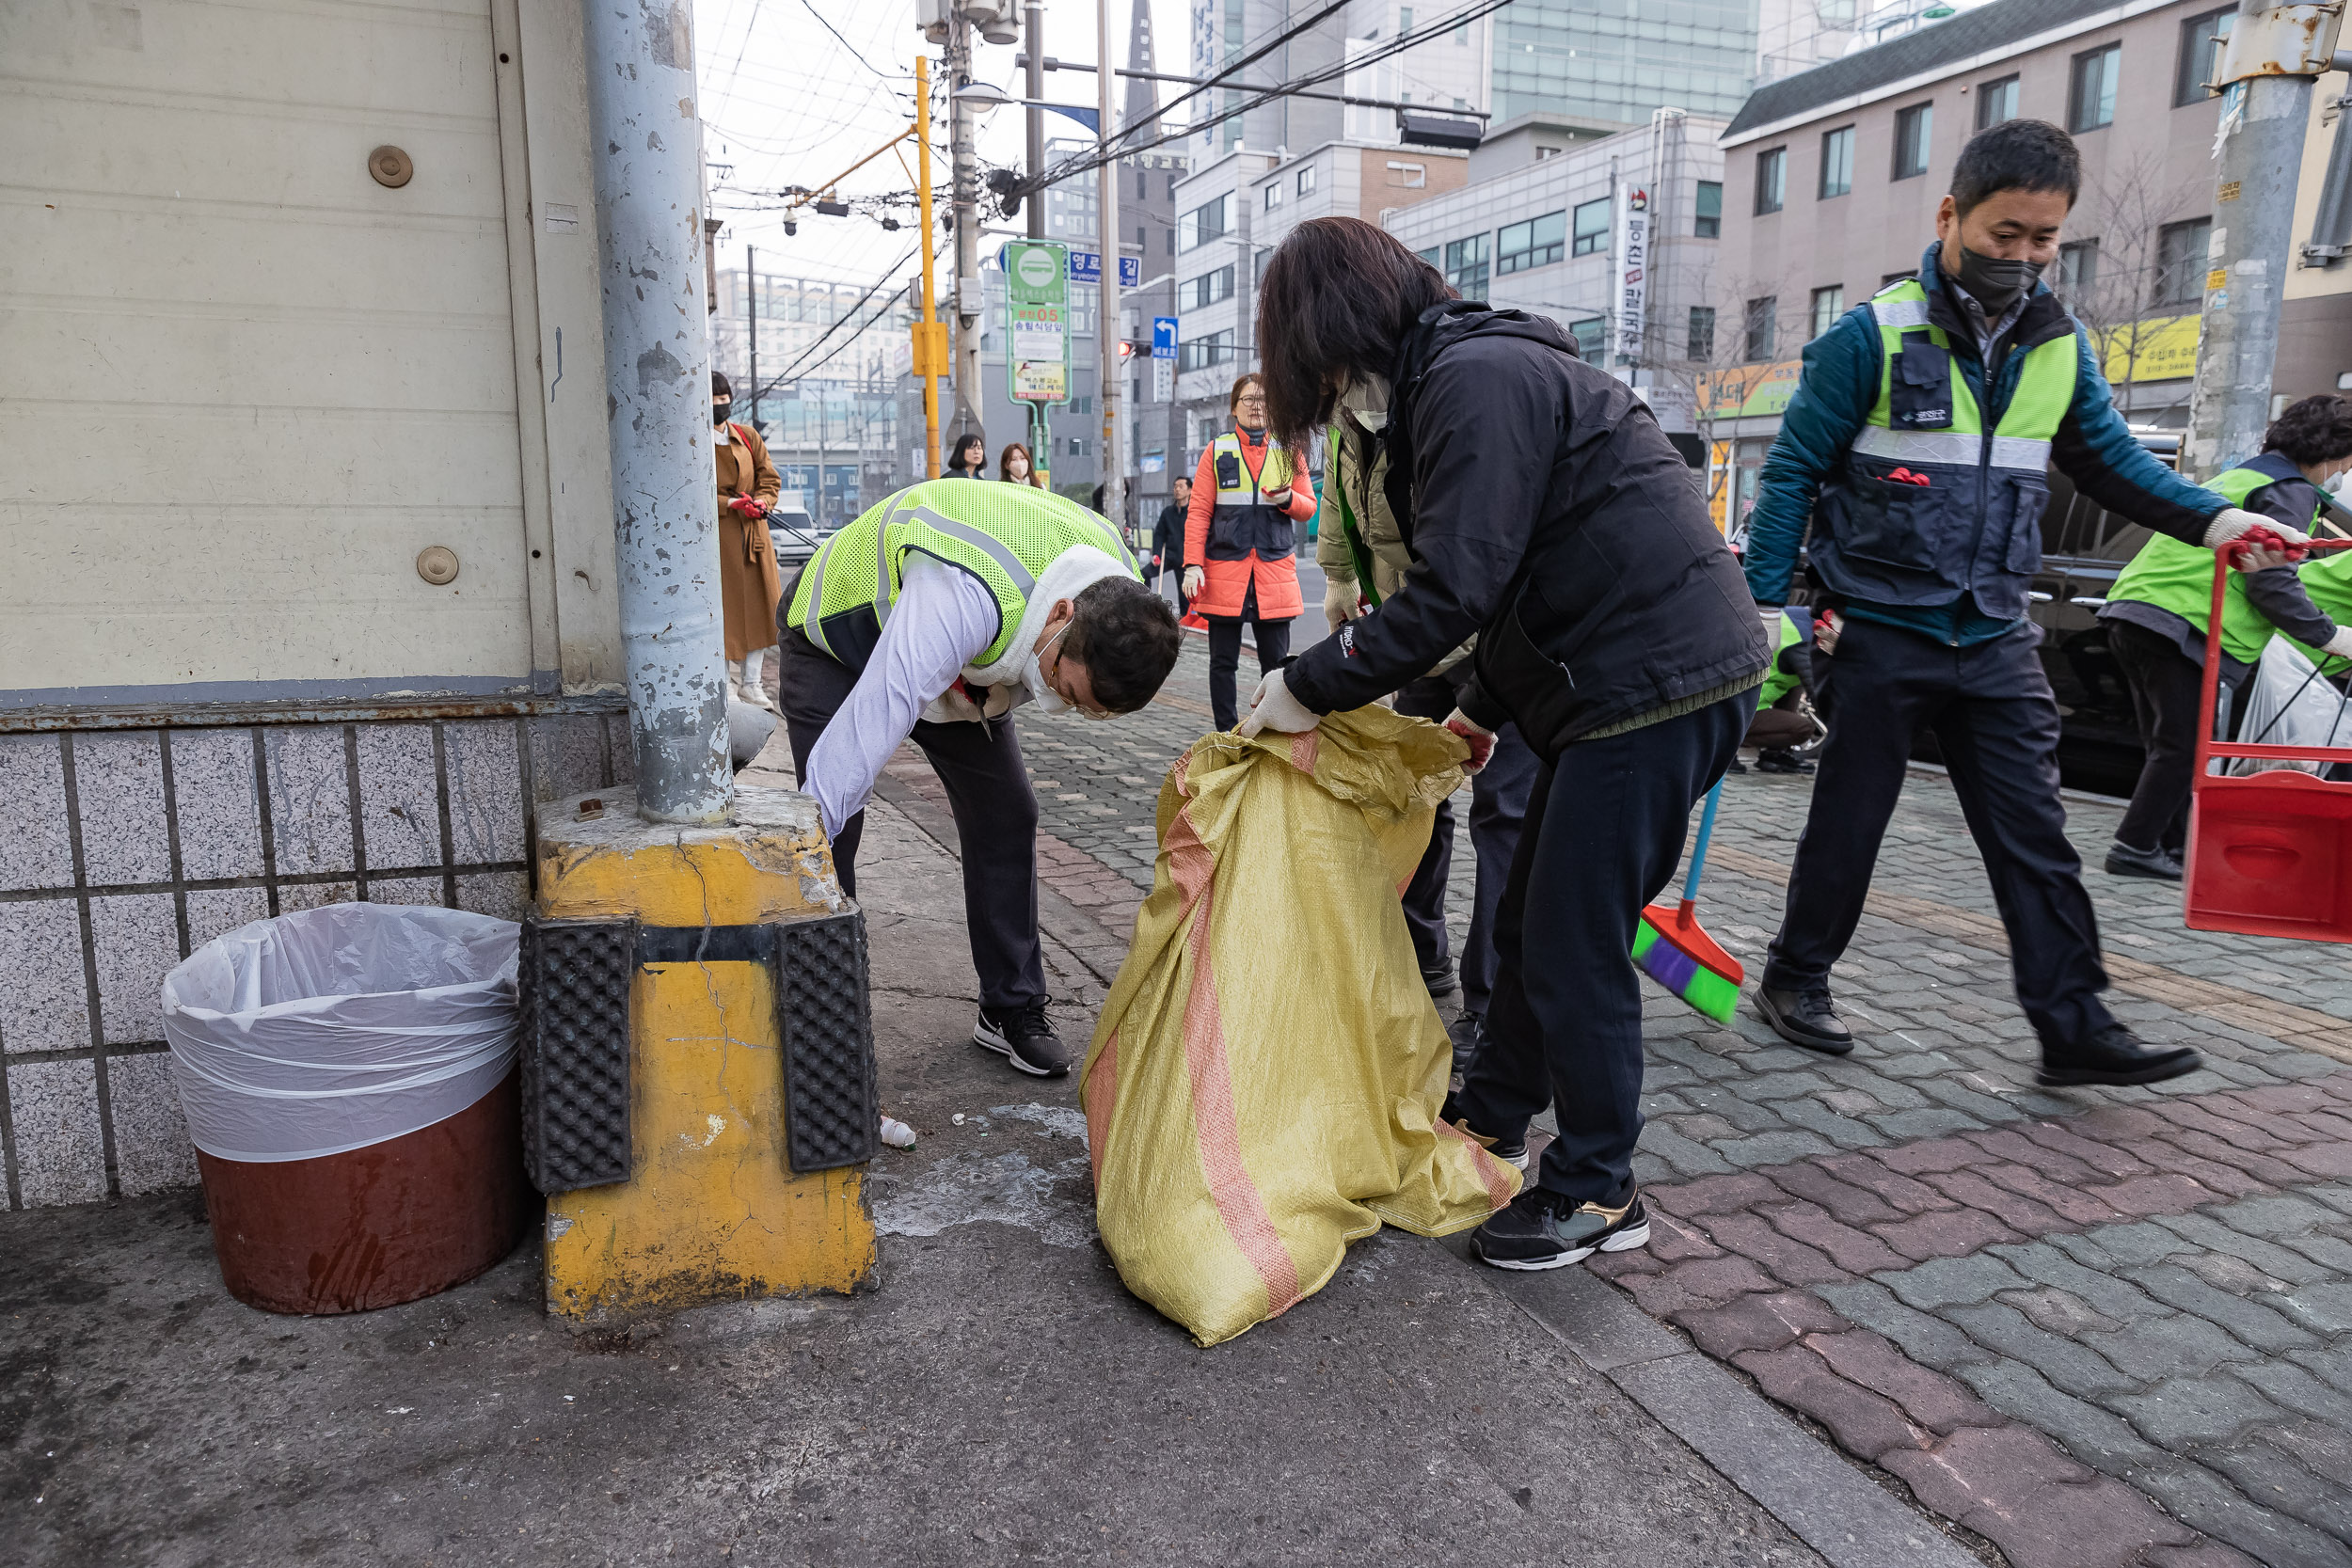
x=943 y=619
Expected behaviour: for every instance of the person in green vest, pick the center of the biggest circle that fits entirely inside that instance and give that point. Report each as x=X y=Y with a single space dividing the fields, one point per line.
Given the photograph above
x=2157 y=616
x=1784 y=718
x=1910 y=468
x=934 y=616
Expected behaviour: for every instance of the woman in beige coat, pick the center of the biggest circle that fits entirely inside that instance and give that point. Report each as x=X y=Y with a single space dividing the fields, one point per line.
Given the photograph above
x=749 y=584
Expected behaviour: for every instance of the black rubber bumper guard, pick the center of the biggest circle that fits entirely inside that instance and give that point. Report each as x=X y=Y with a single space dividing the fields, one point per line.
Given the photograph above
x=575 y=983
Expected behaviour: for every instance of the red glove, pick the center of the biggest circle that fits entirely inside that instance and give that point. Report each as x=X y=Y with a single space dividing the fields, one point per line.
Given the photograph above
x=2234 y=552
x=747 y=507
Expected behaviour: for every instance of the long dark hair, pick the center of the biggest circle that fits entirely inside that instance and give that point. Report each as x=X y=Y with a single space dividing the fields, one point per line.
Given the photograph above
x=955 y=463
x=1337 y=298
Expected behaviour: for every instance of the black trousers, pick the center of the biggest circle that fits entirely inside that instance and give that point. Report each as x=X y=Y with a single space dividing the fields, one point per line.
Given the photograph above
x=1605 y=828
x=995 y=813
x=1274 y=645
x=1498 y=806
x=2167 y=690
x=1997 y=726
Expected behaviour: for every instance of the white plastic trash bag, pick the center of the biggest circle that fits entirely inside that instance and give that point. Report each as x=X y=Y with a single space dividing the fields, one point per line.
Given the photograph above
x=2287 y=704
x=331 y=1029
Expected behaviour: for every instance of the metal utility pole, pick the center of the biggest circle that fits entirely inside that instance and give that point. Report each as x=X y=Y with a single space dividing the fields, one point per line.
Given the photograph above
x=751 y=297
x=971 y=297
x=930 y=347
x=1107 y=334
x=657 y=355
x=1033 y=206
x=2273 y=56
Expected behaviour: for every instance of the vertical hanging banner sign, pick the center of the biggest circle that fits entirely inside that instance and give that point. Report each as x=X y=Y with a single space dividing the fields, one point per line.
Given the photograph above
x=1632 y=269
x=1037 y=322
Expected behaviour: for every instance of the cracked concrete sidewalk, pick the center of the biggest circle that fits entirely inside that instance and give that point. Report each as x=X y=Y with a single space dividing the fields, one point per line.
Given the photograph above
x=998 y=1398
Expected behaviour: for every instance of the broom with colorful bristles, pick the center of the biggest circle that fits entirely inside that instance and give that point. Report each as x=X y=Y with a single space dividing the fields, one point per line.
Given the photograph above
x=1672 y=950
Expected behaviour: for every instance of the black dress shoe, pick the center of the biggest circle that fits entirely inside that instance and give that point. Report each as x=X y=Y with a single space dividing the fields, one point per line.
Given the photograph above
x=2159 y=864
x=2115 y=1056
x=1440 y=977
x=1804 y=1018
x=1466 y=1031
x=1781 y=761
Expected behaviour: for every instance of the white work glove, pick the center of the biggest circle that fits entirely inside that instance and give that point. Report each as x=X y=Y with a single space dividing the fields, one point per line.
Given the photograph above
x=1341 y=602
x=1826 y=625
x=1273 y=708
x=1769 y=614
x=1479 y=740
x=1278 y=496
x=955 y=704
x=1193 y=578
x=2230 y=523
x=2340 y=646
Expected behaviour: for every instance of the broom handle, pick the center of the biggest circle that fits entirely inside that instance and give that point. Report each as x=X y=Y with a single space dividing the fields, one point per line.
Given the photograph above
x=1699 y=853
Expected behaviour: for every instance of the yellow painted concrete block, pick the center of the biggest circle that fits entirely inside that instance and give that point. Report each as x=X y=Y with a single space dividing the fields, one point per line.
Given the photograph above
x=712 y=1211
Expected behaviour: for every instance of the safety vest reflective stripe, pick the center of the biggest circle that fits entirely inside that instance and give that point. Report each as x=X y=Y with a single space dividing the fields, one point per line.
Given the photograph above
x=814 y=628
x=1954 y=448
x=1899 y=312
x=987 y=543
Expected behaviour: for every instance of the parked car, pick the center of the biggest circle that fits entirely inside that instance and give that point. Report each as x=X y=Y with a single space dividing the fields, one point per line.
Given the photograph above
x=794 y=535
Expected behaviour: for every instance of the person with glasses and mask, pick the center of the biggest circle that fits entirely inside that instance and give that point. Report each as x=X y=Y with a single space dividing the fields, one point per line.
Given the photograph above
x=1241 y=544
x=934 y=616
x=1914 y=451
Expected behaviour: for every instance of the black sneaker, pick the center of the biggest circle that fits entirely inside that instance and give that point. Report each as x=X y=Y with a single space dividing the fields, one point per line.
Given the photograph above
x=1466 y=1031
x=2124 y=861
x=1024 y=1036
x=1736 y=767
x=1804 y=1018
x=1545 y=1229
x=2115 y=1056
x=1781 y=761
x=1439 y=978
x=1511 y=1151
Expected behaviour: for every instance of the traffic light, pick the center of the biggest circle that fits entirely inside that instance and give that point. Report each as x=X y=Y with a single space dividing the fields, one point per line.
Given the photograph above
x=1005 y=185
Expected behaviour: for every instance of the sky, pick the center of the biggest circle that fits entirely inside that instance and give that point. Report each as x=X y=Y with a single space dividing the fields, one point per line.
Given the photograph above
x=786 y=102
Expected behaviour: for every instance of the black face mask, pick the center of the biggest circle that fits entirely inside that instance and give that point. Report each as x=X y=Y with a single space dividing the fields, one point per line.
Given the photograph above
x=719 y=412
x=1996 y=283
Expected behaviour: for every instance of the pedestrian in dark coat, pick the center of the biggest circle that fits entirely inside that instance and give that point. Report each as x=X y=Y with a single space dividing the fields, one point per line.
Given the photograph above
x=1168 y=541
x=1547 y=515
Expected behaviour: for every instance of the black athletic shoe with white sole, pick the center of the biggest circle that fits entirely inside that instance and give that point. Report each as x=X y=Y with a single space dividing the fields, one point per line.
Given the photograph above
x=1805 y=1018
x=1545 y=1229
x=1024 y=1036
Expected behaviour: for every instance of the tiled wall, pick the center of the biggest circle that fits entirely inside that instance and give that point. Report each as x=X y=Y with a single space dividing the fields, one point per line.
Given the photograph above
x=122 y=851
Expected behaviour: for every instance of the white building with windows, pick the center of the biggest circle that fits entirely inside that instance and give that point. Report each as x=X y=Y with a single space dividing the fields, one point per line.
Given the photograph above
x=1555 y=237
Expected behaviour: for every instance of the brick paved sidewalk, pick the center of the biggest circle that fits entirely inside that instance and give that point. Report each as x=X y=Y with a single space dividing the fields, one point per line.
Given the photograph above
x=2097 y=1326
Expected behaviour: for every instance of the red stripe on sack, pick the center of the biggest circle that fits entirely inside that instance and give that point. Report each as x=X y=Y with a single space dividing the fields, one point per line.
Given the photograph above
x=1303 y=749
x=1101 y=1094
x=1215 y=1124
x=1490 y=1170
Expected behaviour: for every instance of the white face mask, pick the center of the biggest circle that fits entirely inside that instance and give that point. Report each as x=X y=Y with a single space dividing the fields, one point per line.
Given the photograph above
x=1033 y=676
x=2336 y=486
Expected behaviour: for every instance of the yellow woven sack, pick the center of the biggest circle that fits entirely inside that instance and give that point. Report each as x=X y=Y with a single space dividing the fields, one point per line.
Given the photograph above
x=1264 y=1082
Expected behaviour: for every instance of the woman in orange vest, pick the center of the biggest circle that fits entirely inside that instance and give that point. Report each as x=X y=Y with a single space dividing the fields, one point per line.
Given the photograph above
x=1246 y=495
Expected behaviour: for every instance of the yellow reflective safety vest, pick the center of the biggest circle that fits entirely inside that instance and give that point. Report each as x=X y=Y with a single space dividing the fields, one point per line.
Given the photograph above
x=1931 y=501
x=1004 y=535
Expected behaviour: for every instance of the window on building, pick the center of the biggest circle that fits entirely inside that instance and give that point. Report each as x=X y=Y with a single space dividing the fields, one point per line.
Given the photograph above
x=1410 y=177
x=1169 y=234
x=1466 y=265
x=1196 y=293
x=1710 y=218
x=1914 y=128
x=1307 y=180
x=1461 y=36
x=1837 y=163
x=1206 y=352
x=1537 y=243
x=1903 y=276
x=1997 y=101
x=2181 y=262
x=1763 y=327
x=2090 y=97
x=1273 y=195
x=1592 y=227
x=1206 y=222
x=2201 y=38
x=1702 y=340
x=1771 y=180
x=1592 y=338
x=2077 y=271
x=1435 y=256
x=1828 y=305
x=1543 y=152
x=1404 y=19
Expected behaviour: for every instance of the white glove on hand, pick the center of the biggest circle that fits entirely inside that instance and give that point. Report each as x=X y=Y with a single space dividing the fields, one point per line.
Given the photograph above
x=1769 y=614
x=2230 y=522
x=2340 y=646
x=1192 y=576
x=1480 y=739
x=1341 y=602
x=1273 y=708
x=1826 y=626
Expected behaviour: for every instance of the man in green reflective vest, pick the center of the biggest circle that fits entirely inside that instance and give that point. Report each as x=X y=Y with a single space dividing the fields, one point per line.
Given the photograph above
x=1915 y=449
x=934 y=616
x=2156 y=616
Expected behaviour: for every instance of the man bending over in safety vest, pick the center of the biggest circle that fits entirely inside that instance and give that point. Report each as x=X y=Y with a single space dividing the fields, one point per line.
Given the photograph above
x=934 y=615
x=1914 y=450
